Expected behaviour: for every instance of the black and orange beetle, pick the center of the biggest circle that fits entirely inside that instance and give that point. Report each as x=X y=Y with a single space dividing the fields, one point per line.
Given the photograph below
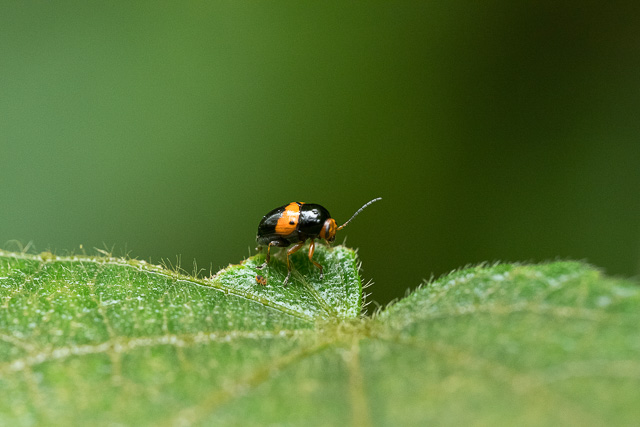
x=296 y=222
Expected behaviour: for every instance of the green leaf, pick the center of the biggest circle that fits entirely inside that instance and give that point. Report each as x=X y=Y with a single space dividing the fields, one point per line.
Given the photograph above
x=104 y=341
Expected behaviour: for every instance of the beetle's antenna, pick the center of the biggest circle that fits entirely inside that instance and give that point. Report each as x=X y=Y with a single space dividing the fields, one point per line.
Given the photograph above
x=358 y=211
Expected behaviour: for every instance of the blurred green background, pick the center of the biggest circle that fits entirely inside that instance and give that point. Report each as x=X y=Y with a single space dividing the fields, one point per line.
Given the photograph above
x=499 y=131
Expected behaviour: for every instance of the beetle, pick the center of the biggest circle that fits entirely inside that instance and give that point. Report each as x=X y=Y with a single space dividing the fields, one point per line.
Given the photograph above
x=295 y=223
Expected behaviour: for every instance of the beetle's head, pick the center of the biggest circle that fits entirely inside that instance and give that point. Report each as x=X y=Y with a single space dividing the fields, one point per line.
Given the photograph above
x=328 y=231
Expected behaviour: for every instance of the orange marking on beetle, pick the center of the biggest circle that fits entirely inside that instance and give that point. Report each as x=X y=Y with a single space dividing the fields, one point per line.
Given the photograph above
x=288 y=222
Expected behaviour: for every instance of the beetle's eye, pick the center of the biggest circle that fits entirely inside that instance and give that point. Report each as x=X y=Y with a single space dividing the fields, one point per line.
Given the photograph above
x=329 y=230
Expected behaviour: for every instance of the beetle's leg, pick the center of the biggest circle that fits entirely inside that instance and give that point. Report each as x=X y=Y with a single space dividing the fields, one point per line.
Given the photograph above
x=266 y=261
x=290 y=251
x=312 y=248
x=328 y=243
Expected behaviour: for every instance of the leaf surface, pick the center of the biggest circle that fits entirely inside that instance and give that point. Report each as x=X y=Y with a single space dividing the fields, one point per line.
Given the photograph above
x=106 y=341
